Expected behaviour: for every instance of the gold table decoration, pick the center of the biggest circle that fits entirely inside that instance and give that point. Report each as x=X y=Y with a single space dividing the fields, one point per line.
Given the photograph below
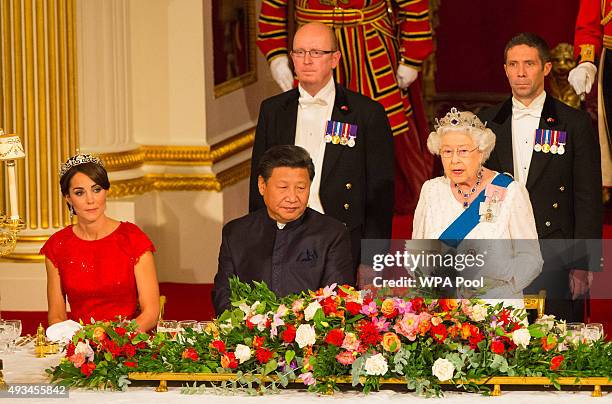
x=495 y=381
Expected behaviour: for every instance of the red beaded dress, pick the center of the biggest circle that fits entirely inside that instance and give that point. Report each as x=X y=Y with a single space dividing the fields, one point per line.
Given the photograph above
x=98 y=276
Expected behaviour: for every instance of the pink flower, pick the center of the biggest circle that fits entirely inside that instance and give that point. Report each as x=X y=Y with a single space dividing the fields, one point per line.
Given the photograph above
x=308 y=379
x=369 y=309
x=77 y=359
x=350 y=342
x=408 y=326
x=382 y=325
x=346 y=358
x=403 y=306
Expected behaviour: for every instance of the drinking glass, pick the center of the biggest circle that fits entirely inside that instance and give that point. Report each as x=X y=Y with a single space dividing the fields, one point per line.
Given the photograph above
x=16 y=333
x=574 y=332
x=593 y=332
x=6 y=333
x=185 y=324
x=168 y=326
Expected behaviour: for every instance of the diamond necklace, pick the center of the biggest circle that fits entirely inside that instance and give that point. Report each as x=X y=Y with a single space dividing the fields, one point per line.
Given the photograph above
x=466 y=195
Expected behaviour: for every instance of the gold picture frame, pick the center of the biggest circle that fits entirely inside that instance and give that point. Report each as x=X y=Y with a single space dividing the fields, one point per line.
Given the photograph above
x=234 y=53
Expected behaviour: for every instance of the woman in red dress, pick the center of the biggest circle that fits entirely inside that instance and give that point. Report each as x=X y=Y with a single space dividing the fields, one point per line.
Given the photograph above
x=104 y=267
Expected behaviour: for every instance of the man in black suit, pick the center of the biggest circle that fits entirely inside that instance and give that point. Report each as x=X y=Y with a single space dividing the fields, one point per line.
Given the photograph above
x=285 y=244
x=347 y=135
x=553 y=150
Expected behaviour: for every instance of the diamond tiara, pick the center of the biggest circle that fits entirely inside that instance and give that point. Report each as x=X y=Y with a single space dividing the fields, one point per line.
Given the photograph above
x=78 y=160
x=456 y=118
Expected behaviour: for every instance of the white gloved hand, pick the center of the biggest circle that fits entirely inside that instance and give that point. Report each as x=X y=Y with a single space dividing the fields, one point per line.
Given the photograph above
x=582 y=77
x=62 y=332
x=406 y=75
x=281 y=72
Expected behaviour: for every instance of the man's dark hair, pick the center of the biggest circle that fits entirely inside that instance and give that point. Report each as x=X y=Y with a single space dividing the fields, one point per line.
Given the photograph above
x=533 y=41
x=285 y=156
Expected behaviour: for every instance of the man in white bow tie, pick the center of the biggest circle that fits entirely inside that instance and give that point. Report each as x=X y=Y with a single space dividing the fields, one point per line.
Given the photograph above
x=553 y=150
x=347 y=135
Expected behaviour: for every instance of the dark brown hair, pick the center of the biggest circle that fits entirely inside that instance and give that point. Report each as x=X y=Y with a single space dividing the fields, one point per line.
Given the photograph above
x=96 y=172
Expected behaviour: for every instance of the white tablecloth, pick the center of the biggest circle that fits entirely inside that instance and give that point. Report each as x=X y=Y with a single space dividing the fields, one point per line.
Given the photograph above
x=24 y=367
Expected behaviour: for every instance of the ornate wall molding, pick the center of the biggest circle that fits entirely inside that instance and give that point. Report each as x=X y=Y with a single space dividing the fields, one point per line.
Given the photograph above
x=179 y=155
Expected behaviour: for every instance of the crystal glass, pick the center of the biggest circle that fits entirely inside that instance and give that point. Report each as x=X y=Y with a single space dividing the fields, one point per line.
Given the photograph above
x=574 y=333
x=185 y=324
x=16 y=333
x=6 y=335
x=168 y=326
x=202 y=325
x=593 y=332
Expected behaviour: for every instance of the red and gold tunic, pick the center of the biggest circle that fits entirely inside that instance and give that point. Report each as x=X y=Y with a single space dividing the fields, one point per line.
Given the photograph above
x=593 y=29
x=374 y=36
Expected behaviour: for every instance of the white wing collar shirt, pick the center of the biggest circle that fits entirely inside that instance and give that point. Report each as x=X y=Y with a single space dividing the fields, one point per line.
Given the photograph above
x=525 y=121
x=313 y=114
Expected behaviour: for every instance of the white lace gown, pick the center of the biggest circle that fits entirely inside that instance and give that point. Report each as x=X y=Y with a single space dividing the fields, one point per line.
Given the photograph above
x=513 y=258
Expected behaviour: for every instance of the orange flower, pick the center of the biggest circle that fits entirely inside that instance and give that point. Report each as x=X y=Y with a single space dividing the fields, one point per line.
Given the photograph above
x=466 y=331
x=99 y=334
x=448 y=304
x=391 y=342
x=388 y=308
x=549 y=343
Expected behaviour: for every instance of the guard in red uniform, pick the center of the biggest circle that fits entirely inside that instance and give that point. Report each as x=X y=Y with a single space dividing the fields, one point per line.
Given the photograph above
x=383 y=44
x=592 y=44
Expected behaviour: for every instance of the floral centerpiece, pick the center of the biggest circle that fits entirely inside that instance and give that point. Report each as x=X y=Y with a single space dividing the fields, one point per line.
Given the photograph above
x=337 y=334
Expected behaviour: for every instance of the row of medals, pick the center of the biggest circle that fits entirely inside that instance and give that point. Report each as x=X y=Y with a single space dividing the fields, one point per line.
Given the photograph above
x=545 y=148
x=342 y=140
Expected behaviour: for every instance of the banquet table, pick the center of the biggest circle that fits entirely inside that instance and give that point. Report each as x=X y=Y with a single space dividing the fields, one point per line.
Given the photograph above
x=23 y=367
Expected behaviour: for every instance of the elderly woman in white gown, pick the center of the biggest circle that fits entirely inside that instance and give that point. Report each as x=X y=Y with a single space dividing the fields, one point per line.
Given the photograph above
x=471 y=202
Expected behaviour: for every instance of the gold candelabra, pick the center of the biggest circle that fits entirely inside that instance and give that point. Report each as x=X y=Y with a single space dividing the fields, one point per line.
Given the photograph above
x=10 y=223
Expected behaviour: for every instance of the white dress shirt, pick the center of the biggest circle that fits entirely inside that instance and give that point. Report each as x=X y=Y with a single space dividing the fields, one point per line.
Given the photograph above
x=525 y=121
x=313 y=114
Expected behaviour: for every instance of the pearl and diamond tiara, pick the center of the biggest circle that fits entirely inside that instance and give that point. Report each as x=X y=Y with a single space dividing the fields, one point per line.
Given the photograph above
x=78 y=160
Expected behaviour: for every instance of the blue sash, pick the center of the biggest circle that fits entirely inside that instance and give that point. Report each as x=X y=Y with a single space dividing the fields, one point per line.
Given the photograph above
x=465 y=223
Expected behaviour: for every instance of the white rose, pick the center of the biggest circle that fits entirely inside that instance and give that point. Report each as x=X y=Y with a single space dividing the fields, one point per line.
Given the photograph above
x=443 y=369
x=547 y=321
x=376 y=365
x=305 y=335
x=479 y=312
x=521 y=337
x=311 y=310
x=243 y=353
x=85 y=349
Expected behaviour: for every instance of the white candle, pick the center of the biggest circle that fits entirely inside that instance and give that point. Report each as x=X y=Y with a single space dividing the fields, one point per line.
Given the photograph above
x=12 y=185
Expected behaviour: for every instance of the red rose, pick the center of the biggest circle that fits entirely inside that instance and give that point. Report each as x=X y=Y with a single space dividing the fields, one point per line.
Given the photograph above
x=190 y=353
x=70 y=349
x=335 y=337
x=497 y=347
x=249 y=325
x=439 y=333
x=258 y=342
x=218 y=345
x=447 y=304
x=475 y=339
x=353 y=307
x=417 y=304
x=129 y=350
x=288 y=335
x=112 y=347
x=130 y=364
x=120 y=331
x=263 y=355
x=329 y=306
x=556 y=362
x=228 y=361
x=88 y=368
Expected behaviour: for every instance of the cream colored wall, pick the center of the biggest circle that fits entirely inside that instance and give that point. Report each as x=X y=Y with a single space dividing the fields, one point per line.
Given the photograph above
x=156 y=56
